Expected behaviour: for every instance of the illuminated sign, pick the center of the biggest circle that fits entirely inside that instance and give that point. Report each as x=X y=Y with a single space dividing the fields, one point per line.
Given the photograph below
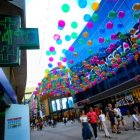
x=13 y=39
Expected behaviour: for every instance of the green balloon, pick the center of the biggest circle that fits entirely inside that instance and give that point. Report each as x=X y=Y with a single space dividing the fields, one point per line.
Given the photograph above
x=138 y=41
x=80 y=41
x=136 y=16
x=61 y=58
x=74 y=25
x=90 y=51
x=112 y=14
x=65 y=8
x=123 y=54
x=48 y=53
x=122 y=36
x=74 y=35
x=95 y=17
x=107 y=40
x=54 y=53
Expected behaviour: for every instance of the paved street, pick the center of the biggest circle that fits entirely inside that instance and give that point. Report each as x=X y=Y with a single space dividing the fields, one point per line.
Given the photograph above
x=73 y=132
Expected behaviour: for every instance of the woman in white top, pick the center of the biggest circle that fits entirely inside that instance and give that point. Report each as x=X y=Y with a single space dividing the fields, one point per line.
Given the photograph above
x=103 y=121
x=86 y=132
x=120 y=118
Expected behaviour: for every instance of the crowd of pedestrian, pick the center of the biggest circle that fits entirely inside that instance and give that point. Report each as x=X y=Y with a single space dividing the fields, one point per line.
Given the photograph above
x=95 y=119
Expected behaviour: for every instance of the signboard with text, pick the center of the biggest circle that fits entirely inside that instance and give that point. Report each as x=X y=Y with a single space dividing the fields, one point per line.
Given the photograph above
x=17 y=125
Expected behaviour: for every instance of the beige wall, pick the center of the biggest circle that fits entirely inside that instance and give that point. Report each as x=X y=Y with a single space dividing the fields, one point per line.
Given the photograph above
x=46 y=103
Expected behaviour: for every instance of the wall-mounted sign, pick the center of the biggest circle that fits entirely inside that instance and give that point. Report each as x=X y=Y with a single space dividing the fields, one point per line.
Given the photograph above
x=13 y=39
x=17 y=125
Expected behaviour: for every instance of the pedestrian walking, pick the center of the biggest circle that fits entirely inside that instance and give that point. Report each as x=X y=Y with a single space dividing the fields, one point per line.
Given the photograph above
x=120 y=118
x=103 y=121
x=92 y=116
x=86 y=132
x=111 y=116
x=133 y=111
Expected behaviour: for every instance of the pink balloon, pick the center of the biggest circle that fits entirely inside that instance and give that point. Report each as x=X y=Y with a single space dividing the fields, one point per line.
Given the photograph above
x=51 y=59
x=71 y=61
x=54 y=71
x=126 y=45
x=71 y=49
x=138 y=35
x=52 y=49
x=59 y=63
x=109 y=25
x=56 y=37
x=101 y=40
x=113 y=36
x=64 y=59
x=112 y=46
x=61 y=23
x=89 y=24
x=121 y=14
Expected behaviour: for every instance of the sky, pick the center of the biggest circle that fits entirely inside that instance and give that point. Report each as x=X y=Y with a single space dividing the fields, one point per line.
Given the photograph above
x=45 y=15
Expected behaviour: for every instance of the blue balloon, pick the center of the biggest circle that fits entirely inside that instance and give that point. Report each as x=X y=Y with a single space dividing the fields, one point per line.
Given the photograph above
x=87 y=17
x=50 y=65
x=120 y=25
x=59 y=42
x=67 y=37
x=82 y=3
x=102 y=31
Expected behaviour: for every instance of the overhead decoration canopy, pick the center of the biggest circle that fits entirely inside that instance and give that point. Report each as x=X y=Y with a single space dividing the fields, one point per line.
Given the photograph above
x=109 y=40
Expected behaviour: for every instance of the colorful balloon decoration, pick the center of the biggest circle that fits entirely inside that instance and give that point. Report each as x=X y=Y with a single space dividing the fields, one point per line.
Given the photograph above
x=52 y=49
x=74 y=35
x=85 y=34
x=121 y=14
x=109 y=25
x=114 y=51
x=61 y=23
x=95 y=6
x=136 y=6
x=65 y=8
x=67 y=37
x=89 y=42
x=95 y=17
x=89 y=25
x=51 y=59
x=82 y=3
x=56 y=37
x=86 y=17
x=112 y=14
x=74 y=25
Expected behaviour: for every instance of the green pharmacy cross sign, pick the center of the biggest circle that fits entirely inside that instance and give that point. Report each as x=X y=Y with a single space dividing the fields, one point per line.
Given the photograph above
x=13 y=39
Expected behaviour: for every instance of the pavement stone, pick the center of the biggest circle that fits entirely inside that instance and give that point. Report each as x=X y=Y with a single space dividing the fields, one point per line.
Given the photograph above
x=72 y=131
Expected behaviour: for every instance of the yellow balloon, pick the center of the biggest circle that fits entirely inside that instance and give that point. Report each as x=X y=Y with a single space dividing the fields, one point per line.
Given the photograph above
x=95 y=6
x=75 y=54
x=85 y=34
x=133 y=39
x=136 y=6
x=89 y=43
x=135 y=45
x=117 y=56
x=132 y=31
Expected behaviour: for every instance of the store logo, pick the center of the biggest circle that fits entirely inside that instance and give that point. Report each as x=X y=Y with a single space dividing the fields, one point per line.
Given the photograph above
x=14 y=122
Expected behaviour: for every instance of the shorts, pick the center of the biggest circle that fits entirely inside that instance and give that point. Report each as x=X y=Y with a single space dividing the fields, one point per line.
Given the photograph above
x=112 y=120
x=134 y=118
x=118 y=117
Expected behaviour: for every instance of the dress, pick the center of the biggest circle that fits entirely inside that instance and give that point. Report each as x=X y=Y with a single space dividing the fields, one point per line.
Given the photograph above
x=86 y=132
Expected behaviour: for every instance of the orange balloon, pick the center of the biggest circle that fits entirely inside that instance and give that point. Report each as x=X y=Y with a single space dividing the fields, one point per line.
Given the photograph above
x=133 y=39
x=136 y=6
x=132 y=31
x=89 y=43
x=95 y=6
x=85 y=34
x=135 y=45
